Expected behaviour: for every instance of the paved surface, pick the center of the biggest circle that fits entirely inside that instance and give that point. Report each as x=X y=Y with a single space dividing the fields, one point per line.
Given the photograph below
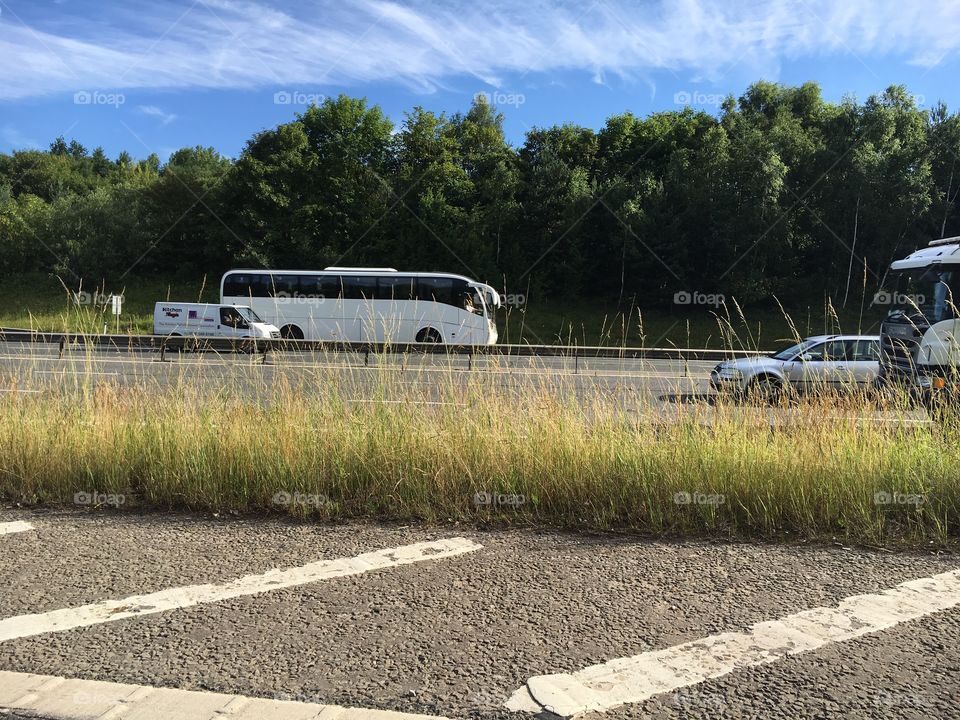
x=457 y=636
x=38 y=368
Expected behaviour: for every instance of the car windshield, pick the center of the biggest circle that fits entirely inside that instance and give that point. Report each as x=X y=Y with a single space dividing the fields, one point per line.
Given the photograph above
x=791 y=351
x=248 y=314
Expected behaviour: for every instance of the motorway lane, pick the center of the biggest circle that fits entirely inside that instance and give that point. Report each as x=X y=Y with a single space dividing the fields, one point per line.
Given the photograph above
x=455 y=637
x=38 y=367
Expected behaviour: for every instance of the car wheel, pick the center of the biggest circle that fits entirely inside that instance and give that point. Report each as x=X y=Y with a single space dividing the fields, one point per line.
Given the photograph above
x=766 y=388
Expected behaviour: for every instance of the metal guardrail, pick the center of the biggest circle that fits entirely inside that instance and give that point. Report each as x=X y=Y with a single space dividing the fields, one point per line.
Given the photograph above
x=163 y=344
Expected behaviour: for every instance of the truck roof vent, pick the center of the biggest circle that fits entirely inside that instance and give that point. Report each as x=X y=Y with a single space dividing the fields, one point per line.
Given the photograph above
x=945 y=241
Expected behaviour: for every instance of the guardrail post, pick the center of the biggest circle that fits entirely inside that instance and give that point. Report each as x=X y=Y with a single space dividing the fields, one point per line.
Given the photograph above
x=576 y=363
x=470 y=359
x=163 y=350
x=366 y=357
x=61 y=348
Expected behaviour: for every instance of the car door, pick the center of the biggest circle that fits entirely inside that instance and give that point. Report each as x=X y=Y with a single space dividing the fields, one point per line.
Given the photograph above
x=865 y=360
x=823 y=366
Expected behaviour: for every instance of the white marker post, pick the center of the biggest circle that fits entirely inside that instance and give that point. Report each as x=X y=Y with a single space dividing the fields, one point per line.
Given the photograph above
x=116 y=307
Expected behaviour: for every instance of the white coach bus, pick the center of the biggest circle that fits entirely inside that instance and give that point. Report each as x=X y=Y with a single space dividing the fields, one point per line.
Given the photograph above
x=368 y=304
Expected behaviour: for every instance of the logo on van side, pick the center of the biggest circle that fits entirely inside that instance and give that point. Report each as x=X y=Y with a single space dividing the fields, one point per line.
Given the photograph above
x=171 y=312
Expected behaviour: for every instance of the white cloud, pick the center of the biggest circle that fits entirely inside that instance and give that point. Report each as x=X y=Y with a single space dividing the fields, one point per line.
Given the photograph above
x=154 y=111
x=16 y=139
x=425 y=44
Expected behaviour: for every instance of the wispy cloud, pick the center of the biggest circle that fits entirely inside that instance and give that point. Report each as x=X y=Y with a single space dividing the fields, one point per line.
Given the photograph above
x=154 y=111
x=13 y=137
x=426 y=43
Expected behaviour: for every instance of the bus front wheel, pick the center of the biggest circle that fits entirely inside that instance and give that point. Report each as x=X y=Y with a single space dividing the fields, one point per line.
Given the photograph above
x=429 y=335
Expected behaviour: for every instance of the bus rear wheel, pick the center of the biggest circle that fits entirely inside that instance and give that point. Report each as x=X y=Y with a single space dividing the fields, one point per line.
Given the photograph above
x=291 y=332
x=429 y=335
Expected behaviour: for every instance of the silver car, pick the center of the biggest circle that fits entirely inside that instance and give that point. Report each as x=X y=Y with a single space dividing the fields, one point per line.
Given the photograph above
x=822 y=362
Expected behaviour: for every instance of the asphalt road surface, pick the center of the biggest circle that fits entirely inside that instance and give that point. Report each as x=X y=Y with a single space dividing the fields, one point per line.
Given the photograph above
x=459 y=623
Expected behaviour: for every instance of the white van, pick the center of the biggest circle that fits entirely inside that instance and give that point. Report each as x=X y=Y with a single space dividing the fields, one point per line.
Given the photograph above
x=209 y=320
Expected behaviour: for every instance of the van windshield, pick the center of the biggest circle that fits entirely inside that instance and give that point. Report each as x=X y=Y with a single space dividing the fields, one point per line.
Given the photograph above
x=248 y=314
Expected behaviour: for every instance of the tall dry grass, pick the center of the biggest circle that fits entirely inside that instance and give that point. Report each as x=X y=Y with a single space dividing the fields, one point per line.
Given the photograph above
x=400 y=442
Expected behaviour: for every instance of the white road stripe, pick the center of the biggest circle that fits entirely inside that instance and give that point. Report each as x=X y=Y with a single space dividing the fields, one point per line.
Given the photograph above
x=14 y=527
x=635 y=679
x=190 y=595
x=68 y=699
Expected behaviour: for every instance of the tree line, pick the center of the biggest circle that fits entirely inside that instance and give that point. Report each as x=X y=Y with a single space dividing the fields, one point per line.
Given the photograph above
x=778 y=193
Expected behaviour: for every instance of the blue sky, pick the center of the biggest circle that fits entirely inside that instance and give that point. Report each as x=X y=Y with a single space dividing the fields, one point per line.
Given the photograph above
x=156 y=76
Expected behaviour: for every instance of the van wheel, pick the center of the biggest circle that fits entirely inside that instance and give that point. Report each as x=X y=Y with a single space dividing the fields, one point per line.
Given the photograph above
x=291 y=332
x=429 y=335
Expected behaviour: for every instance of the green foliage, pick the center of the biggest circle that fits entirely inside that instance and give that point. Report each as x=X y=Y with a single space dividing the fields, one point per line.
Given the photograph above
x=780 y=193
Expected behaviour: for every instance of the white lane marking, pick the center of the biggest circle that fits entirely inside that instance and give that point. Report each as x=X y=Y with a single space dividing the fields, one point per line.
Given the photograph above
x=635 y=679
x=16 y=526
x=70 y=699
x=190 y=595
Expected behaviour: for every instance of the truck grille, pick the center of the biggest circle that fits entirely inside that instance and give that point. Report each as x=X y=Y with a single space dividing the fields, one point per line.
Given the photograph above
x=899 y=345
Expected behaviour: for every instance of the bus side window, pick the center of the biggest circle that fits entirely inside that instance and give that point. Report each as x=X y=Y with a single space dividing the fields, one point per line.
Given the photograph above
x=359 y=287
x=436 y=290
x=284 y=286
x=246 y=285
x=395 y=288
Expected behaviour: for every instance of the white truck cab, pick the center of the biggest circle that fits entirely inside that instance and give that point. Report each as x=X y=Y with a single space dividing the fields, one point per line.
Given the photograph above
x=920 y=337
x=210 y=320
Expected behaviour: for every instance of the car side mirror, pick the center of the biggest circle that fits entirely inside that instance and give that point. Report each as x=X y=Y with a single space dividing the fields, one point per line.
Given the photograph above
x=806 y=357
